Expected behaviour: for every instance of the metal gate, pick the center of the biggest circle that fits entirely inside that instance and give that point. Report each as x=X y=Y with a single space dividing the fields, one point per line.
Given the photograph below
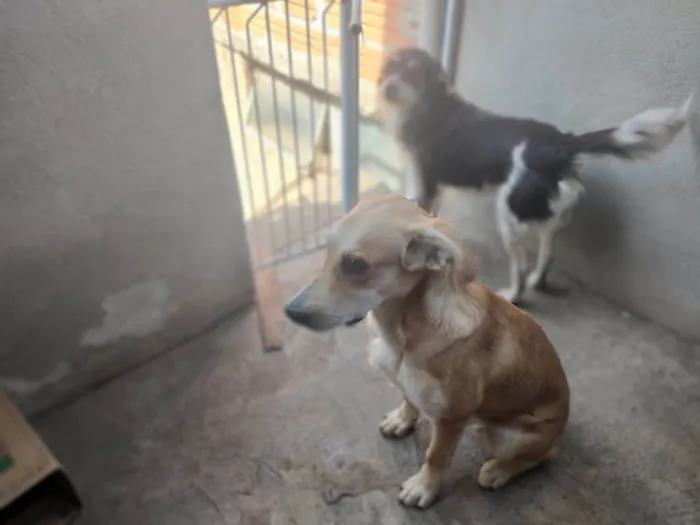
x=280 y=93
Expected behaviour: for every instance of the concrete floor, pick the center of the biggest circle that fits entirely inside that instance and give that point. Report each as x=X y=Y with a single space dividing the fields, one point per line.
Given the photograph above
x=216 y=432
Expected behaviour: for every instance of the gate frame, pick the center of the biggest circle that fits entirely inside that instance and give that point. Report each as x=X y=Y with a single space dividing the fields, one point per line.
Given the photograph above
x=269 y=298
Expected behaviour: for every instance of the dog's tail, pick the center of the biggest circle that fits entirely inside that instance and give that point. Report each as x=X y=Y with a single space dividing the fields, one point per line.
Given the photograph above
x=642 y=135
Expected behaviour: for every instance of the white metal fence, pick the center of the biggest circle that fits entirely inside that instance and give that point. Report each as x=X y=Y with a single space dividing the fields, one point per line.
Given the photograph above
x=278 y=101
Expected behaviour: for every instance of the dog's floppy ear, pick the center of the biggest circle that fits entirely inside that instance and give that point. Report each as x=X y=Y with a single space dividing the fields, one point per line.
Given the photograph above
x=428 y=248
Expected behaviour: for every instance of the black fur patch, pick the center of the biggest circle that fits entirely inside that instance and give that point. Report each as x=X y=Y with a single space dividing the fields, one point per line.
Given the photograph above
x=530 y=197
x=458 y=144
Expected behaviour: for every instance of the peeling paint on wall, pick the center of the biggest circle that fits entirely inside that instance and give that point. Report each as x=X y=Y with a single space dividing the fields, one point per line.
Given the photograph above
x=137 y=311
x=25 y=387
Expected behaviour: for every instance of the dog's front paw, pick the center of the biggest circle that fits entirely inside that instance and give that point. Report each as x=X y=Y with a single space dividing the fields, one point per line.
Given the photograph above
x=397 y=424
x=420 y=490
x=493 y=476
x=512 y=295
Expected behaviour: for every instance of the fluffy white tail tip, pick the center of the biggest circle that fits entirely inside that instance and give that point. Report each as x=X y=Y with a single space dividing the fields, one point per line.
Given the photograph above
x=654 y=129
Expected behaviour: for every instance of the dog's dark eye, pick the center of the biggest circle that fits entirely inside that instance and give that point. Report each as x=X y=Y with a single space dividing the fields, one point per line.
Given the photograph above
x=353 y=265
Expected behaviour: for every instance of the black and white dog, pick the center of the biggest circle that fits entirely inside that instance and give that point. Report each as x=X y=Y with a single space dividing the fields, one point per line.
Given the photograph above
x=531 y=166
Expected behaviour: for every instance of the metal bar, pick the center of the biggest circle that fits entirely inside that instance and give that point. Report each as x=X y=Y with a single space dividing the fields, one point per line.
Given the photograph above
x=278 y=132
x=326 y=87
x=294 y=83
x=356 y=19
x=453 y=19
x=334 y=31
x=261 y=144
x=349 y=73
x=241 y=124
x=211 y=4
x=313 y=117
x=217 y=15
x=285 y=258
x=295 y=126
x=301 y=85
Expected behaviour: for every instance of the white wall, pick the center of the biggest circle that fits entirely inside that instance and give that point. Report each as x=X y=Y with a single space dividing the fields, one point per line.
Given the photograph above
x=120 y=225
x=587 y=65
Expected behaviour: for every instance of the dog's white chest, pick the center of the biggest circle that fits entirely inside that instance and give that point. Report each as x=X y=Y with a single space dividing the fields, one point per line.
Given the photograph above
x=421 y=389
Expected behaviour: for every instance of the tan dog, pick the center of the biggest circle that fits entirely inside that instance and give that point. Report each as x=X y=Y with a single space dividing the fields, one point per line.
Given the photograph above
x=458 y=352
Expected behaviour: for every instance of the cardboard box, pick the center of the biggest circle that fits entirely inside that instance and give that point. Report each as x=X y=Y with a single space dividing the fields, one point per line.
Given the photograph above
x=34 y=489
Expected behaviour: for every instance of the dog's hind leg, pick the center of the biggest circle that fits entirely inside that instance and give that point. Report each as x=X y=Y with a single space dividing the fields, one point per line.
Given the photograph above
x=515 y=452
x=570 y=192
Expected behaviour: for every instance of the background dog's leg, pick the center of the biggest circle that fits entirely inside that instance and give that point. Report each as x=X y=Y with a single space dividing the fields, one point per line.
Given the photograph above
x=518 y=263
x=538 y=277
x=399 y=422
x=428 y=196
x=514 y=246
x=437 y=199
x=413 y=182
x=422 y=489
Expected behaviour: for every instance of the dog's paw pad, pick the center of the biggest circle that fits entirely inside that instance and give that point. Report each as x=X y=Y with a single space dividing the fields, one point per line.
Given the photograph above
x=492 y=475
x=396 y=425
x=419 y=490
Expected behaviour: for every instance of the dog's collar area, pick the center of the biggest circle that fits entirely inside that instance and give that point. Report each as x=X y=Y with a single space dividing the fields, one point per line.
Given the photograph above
x=354 y=321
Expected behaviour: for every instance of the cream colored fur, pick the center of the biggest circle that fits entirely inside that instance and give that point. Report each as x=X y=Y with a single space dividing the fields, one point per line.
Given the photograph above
x=457 y=352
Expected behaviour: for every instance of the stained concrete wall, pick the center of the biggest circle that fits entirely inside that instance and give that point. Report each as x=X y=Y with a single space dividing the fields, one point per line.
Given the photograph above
x=587 y=65
x=120 y=224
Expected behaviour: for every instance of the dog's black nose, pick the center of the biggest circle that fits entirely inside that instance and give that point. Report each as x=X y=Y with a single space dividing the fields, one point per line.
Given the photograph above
x=391 y=91
x=296 y=314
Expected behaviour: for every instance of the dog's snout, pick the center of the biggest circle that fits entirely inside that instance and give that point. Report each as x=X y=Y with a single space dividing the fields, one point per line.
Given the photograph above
x=297 y=314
